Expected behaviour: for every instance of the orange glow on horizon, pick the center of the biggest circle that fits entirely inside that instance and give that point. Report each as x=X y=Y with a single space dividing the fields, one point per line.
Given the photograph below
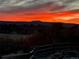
x=64 y=17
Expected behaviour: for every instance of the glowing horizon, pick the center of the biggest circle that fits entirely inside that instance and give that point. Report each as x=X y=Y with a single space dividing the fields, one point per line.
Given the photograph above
x=64 y=17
